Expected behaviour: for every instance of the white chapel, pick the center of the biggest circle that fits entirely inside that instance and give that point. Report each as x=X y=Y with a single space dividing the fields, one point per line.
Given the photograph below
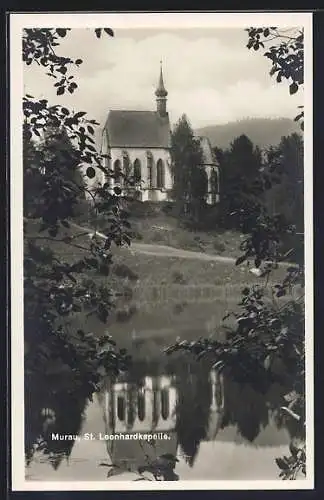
x=138 y=144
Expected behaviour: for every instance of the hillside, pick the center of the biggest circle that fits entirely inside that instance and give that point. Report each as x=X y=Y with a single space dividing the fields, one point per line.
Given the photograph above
x=263 y=132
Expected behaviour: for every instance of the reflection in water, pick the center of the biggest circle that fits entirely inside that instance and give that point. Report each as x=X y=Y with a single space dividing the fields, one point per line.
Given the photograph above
x=193 y=409
x=192 y=405
x=53 y=412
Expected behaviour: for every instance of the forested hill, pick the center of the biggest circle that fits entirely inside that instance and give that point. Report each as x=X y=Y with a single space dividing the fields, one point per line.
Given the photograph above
x=262 y=132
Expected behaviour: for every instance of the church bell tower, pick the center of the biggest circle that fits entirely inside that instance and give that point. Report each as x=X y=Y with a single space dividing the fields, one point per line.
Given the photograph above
x=161 y=95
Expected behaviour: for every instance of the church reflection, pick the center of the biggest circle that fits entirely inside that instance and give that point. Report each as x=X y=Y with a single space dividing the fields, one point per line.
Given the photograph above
x=151 y=405
x=192 y=404
x=186 y=409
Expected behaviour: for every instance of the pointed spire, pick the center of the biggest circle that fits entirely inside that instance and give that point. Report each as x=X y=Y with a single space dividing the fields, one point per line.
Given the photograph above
x=160 y=91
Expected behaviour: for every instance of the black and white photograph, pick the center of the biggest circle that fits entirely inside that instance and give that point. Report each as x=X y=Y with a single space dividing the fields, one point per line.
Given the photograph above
x=161 y=251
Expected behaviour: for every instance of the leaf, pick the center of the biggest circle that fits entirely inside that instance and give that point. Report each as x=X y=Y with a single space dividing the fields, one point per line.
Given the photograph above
x=60 y=91
x=61 y=32
x=126 y=239
x=109 y=31
x=282 y=464
x=298 y=117
x=71 y=88
x=117 y=190
x=293 y=88
x=90 y=172
x=293 y=449
x=78 y=61
x=98 y=32
x=240 y=260
x=257 y=262
x=79 y=114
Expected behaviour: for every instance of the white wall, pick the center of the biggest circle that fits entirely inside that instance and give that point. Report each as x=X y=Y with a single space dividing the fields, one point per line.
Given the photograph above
x=141 y=155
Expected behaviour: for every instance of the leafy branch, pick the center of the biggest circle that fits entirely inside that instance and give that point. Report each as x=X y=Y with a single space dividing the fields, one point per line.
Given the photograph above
x=286 y=57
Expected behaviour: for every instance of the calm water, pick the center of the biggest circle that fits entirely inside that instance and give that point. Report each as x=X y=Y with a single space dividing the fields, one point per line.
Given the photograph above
x=218 y=429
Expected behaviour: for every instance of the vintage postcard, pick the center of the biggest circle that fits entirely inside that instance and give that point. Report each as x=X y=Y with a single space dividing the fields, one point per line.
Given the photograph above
x=161 y=251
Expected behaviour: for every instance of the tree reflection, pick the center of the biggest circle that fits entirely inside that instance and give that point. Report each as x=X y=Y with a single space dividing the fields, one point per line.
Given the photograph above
x=193 y=408
x=198 y=416
x=249 y=409
x=49 y=409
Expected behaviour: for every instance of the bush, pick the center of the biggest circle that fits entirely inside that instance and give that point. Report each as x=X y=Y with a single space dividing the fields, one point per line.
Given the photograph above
x=190 y=242
x=82 y=211
x=123 y=271
x=124 y=315
x=178 y=278
x=168 y=207
x=142 y=209
x=179 y=308
x=157 y=237
x=136 y=235
x=219 y=246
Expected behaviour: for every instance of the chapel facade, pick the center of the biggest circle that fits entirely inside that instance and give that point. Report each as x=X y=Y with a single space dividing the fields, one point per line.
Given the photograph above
x=137 y=145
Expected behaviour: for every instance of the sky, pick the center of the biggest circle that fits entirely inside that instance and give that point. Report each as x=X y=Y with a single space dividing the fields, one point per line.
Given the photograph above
x=209 y=73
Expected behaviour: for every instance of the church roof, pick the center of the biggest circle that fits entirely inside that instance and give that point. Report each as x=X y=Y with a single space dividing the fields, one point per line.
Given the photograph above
x=138 y=129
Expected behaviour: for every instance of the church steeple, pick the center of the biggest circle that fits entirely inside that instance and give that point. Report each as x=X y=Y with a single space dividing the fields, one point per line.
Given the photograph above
x=161 y=95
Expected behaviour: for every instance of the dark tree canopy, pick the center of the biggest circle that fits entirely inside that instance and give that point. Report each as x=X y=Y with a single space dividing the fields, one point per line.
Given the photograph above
x=267 y=343
x=190 y=183
x=66 y=272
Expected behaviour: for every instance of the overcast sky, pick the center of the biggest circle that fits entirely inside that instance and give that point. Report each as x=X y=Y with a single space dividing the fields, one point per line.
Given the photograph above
x=209 y=73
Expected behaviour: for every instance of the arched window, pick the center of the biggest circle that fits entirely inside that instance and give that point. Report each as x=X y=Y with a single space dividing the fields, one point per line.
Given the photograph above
x=160 y=180
x=121 y=408
x=126 y=165
x=149 y=169
x=214 y=181
x=137 y=171
x=165 y=403
x=141 y=407
x=117 y=172
x=214 y=184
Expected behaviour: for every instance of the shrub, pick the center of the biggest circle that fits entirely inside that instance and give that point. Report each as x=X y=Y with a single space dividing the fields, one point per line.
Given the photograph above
x=219 y=246
x=124 y=315
x=123 y=271
x=179 y=308
x=178 y=278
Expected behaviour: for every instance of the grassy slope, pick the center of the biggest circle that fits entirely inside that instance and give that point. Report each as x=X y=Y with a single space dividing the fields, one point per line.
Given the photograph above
x=166 y=230
x=152 y=322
